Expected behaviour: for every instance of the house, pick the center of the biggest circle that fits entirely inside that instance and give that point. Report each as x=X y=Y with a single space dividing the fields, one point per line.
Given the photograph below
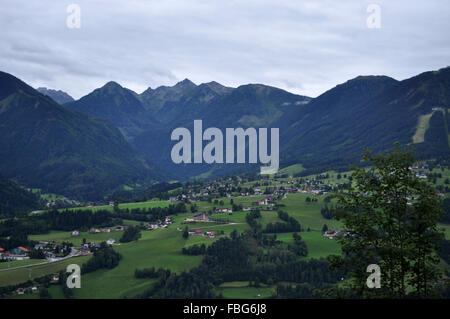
x=246 y=209
x=55 y=279
x=106 y=230
x=1 y=251
x=41 y=245
x=261 y=202
x=110 y=241
x=210 y=234
x=330 y=234
x=19 y=251
x=201 y=218
x=195 y=232
x=120 y=228
x=20 y=291
x=75 y=233
x=34 y=289
x=84 y=250
x=111 y=203
x=94 y=231
x=152 y=226
x=168 y=219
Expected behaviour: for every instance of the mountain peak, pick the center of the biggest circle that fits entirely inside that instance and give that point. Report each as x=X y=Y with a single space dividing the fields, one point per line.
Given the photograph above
x=58 y=96
x=216 y=87
x=365 y=83
x=185 y=83
x=371 y=78
x=112 y=85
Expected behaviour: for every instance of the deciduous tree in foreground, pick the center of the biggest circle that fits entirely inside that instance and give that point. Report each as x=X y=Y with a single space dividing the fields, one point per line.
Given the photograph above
x=390 y=217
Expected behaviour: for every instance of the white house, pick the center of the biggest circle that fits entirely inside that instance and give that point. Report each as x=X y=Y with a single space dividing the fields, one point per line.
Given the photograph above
x=75 y=233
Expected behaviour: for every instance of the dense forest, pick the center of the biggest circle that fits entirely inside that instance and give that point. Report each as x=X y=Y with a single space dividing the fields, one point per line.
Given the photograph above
x=290 y=224
x=104 y=257
x=15 y=200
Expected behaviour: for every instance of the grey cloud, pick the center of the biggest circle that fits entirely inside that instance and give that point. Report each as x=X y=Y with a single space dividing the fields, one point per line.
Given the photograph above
x=306 y=47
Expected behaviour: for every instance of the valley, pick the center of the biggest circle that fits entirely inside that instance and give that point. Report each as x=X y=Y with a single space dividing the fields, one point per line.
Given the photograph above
x=104 y=192
x=303 y=198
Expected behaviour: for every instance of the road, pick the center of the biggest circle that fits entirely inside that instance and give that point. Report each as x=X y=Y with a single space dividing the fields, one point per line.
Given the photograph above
x=52 y=260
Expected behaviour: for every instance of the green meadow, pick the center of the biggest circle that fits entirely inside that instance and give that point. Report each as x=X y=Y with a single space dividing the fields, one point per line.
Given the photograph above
x=18 y=263
x=142 y=205
x=157 y=248
x=293 y=169
x=21 y=275
x=241 y=290
x=162 y=247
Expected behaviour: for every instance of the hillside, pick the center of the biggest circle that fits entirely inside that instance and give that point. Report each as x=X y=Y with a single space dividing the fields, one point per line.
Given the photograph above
x=371 y=112
x=47 y=146
x=325 y=132
x=14 y=199
x=252 y=105
x=120 y=106
x=154 y=99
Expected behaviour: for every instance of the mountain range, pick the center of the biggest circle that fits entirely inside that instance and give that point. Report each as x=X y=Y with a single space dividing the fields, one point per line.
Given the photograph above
x=114 y=136
x=45 y=145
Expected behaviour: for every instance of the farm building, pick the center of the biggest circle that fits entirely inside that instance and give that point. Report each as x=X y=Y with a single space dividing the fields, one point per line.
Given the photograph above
x=201 y=218
x=195 y=232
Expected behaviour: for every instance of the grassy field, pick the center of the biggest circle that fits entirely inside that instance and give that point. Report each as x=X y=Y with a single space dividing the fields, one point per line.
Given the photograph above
x=246 y=292
x=308 y=214
x=293 y=169
x=422 y=126
x=156 y=248
x=17 y=263
x=21 y=275
x=318 y=245
x=55 y=292
x=64 y=236
x=162 y=247
x=148 y=204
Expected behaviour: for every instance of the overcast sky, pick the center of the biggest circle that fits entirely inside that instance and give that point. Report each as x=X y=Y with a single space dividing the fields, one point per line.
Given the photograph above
x=305 y=47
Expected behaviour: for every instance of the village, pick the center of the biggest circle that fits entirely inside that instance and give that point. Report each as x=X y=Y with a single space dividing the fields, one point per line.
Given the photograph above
x=211 y=207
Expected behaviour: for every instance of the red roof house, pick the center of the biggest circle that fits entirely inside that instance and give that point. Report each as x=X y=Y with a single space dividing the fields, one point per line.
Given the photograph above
x=23 y=249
